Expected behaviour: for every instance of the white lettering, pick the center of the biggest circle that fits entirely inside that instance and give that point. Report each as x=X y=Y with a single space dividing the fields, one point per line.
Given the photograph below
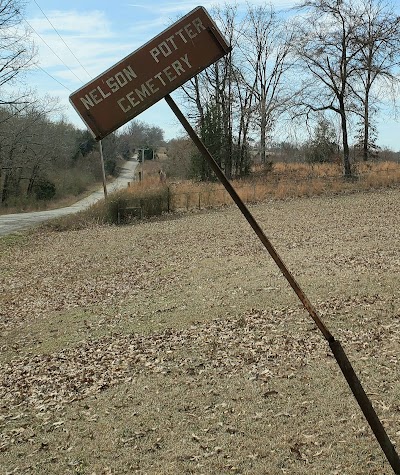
x=132 y=100
x=130 y=73
x=102 y=92
x=155 y=52
x=143 y=93
x=121 y=79
x=171 y=40
x=158 y=76
x=151 y=86
x=94 y=96
x=189 y=31
x=197 y=23
x=168 y=73
x=179 y=33
x=122 y=106
x=87 y=102
x=186 y=60
x=165 y=49
x=178 y=67
x=112 y=84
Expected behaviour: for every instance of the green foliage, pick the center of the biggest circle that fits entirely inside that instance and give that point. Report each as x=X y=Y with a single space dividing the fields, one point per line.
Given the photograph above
x=367 y=148
x=212 y=135
x=323 y=147
x=44 y=189
x=233 y=157
x=85 y=143
x=110 y=154
x=241 y=160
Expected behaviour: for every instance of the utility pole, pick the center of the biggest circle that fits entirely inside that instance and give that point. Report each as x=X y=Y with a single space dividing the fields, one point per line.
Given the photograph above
x=103 y=172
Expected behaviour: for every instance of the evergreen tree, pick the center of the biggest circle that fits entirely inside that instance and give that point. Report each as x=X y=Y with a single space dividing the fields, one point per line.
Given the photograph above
x=322 y=147
x=211 y=133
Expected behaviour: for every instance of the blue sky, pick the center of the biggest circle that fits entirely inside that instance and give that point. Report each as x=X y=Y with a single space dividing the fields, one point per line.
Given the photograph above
x=100 y=33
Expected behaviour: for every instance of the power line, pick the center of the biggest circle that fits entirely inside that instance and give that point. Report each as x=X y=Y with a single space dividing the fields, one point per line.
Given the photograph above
x=62 y=39
x=51 y=49
x=52 y=77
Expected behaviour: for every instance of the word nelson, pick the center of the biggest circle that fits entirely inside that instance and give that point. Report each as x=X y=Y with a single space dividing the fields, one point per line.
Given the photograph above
x=167 y=75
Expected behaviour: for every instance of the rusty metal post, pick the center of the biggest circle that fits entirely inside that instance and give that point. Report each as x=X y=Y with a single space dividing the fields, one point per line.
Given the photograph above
x=337 y=350
x=365 y=405
x=246 y=213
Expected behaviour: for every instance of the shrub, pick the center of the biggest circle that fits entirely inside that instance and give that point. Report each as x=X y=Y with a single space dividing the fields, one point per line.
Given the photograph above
x=44 y=189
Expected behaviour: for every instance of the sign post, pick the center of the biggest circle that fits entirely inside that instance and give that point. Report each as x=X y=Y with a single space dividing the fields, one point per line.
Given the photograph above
x=150 y=74
x=103 y=171
x=337 y=350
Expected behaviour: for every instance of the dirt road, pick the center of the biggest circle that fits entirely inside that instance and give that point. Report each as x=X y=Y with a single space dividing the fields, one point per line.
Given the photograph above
x=17 y=222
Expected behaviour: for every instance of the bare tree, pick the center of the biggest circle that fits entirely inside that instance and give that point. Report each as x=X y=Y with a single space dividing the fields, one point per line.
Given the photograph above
x=326 y=47
x=28 y=145
x=265 y=52
x=16 y=52
x=213 y=94
x=379 y=37
x=244 y=89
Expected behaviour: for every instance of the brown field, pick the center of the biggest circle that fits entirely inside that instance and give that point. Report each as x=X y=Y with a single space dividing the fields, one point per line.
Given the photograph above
x=176 y=346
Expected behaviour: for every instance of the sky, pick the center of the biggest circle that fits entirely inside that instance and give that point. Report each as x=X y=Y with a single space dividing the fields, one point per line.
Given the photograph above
x=93 y=35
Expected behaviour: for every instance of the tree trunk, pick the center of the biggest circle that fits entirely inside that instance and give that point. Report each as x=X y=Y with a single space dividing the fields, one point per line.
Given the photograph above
x=4 y=191
x=263 y=131
x=366 y=123
x=32 y=180
x=346 y=151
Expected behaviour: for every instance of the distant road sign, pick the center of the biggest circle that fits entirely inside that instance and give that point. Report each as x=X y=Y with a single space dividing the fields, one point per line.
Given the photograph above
x=150 y=73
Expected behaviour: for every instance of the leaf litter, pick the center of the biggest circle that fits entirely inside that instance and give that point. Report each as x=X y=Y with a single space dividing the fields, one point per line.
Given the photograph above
x=243 y=375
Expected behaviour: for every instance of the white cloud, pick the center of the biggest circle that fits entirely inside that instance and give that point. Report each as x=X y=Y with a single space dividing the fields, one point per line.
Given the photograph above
x=90 y=24
x=87 y=36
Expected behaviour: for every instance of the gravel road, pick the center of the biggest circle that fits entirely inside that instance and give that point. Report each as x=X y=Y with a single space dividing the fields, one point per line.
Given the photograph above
x=10 y=223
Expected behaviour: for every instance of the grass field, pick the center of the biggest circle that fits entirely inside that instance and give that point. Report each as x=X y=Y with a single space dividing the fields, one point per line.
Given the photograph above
x=176 y=346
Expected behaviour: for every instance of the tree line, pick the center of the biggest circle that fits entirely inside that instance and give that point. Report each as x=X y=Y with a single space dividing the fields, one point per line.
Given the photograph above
x=44 y=159
x=329 y=65
x=334 y=61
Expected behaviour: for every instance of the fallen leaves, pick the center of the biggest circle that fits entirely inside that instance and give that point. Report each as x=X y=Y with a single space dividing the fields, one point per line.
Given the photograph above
x=271 y=349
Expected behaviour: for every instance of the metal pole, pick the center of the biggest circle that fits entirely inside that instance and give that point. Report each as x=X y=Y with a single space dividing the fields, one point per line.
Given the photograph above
x=103 y=172
x=253 y=223
x=141 y=175
x=338 y=352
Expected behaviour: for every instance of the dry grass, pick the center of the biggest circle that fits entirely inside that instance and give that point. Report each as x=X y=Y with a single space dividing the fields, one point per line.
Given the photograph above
x=287 y=181
x=177 y=347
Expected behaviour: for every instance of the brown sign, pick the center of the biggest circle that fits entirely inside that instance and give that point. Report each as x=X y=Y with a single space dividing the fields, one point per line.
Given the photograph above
x=150 y=73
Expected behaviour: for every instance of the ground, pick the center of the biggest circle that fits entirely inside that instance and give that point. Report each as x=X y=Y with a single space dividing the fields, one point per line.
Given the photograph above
x=177 y=347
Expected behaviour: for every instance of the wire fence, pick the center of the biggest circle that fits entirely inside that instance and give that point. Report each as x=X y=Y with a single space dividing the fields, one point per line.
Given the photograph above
x=177 y=197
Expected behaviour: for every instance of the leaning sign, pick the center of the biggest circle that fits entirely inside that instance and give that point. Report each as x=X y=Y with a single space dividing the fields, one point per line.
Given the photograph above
x=150 y=73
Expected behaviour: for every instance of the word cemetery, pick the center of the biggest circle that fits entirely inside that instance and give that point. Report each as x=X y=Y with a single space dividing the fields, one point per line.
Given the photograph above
x=150 y=73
